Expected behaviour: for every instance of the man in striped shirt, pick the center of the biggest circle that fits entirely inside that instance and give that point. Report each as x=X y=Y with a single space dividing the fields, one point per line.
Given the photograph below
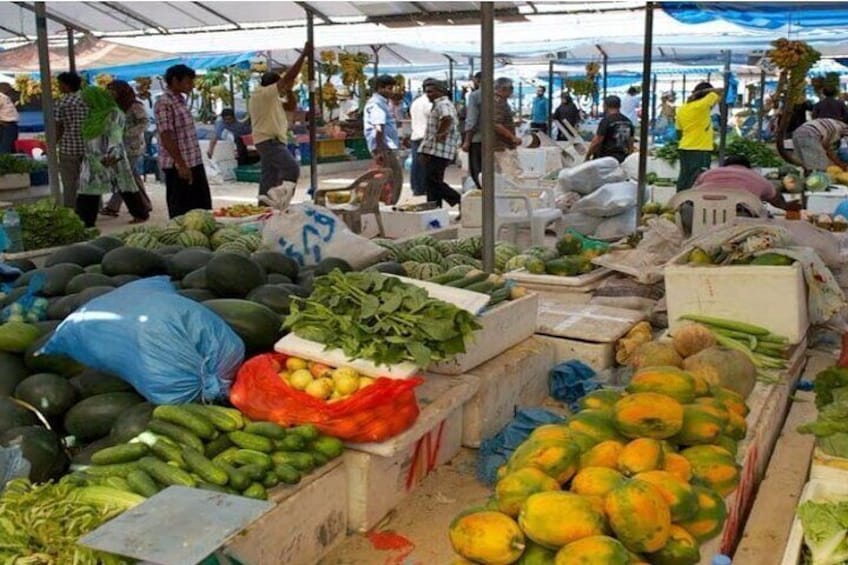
x=439 y=147
x=815 y=143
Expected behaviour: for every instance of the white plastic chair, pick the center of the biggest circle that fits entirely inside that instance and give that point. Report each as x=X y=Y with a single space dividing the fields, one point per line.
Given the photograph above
x=711 y=208
x=516 y=207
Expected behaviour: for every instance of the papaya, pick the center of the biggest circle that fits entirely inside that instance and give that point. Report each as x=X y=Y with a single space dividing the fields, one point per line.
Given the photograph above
x=678 y=466
x=702 y=423
x=554 y=519
x=602 y=399
x=648 y=414
x=727 y=443
x=708 y=520
x=604 y=454
x=639 y=516
x=596 y=424
x=681 y=549
x=640 y=455
x=555 y=432
x=681 y=498
x=736 y=426
x=669 y=381
x=535 y=554
x=732 y=400
x=702 y=387
x=486 y=537
x=593 y=550
x=596 y=481
x=512 y=490
x=556 y=459
x=714 y=467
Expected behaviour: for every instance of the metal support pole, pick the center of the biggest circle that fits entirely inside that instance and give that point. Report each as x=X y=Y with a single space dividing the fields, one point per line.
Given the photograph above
x=683 y=96
x=648 y=49
x=47 y=101
x=605 y=75
x=654 y=101
x=232 y=89
x=376 y=50
x=311 y=114
x=550 y=93
x=709 y=77
x=762 y=110
x=72 y=55
x=471 y=67
x=520 y=96
x=450 y=76
x=487 y=119
x=724 y=109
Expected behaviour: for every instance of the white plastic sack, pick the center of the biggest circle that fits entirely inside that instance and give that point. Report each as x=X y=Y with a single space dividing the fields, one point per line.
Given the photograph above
x=609 y=200
x=565 y=200
x=618 y=226
x=587 y=177
x=581 y=223
x=646 y=263
x=309 y=233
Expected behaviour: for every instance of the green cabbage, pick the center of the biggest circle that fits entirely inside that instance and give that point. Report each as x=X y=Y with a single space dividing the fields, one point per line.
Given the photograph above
x=825 y=529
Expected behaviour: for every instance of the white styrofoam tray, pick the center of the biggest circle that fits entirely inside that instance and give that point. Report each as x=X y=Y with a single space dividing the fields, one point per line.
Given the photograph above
x=828 y=468
x=816 y=490
x=522 y=276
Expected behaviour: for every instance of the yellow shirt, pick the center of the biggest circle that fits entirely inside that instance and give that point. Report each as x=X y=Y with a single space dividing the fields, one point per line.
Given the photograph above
x=267 y=116
x=693 y=119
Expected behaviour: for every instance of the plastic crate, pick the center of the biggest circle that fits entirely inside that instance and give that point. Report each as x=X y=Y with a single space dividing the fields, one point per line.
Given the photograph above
x=331 y=148
x=358 y=148
x=249 y=173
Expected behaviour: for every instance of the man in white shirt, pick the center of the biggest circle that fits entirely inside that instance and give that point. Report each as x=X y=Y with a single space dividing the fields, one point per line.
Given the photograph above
x=8 y=118
x=419 y=113
x=630 y=104
x=473 y=143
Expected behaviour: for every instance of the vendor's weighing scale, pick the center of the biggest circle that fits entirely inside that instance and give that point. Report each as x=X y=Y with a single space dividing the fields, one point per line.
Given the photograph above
x=177 y=526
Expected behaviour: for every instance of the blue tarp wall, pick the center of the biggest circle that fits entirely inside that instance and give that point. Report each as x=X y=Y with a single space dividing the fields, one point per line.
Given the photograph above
x=762 y=15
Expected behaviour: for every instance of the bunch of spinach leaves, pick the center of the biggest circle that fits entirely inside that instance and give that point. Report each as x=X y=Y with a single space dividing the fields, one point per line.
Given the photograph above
x=45 y=224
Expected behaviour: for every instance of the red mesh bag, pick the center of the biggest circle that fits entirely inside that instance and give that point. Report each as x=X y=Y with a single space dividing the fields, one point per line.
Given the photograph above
x=375 y=413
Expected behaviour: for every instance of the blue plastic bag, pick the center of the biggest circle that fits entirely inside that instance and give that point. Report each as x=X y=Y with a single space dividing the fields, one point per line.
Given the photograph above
x=571 y=381
x=170 y=348
x=30 y=307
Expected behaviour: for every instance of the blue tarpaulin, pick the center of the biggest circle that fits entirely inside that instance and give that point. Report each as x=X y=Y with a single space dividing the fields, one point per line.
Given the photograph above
x=762 y=15
x=199 y=61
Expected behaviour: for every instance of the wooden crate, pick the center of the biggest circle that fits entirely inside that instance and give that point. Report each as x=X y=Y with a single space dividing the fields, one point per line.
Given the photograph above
x=308 y=521
x=516 y=378
x=380 y=475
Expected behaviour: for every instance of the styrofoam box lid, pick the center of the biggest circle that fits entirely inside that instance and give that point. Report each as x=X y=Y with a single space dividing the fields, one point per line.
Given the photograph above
x=817 y=490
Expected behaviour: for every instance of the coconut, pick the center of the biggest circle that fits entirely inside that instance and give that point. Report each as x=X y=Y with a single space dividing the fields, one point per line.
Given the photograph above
x=691 y=339
x=655 y=354
x=724 y=367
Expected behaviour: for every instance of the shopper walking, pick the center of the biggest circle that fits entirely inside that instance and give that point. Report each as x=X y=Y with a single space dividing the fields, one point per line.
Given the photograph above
x=381 y=132
x=8 y=118
x=696 y=144
x=135 y=124
x=227 y=122
x=271 y=126
x=105 y=166
x=506 y=160
x=439 y=147
x=614 y=137
x=566 y=113
x=419 y=114
x=70 y=112
x=186 y=186
x=539 y=112
x=631 y=103
x=473 y=141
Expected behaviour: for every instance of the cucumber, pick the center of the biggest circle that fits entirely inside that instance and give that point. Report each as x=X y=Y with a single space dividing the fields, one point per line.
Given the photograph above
x=253 y=472
x=123 y=453
x=224 y=419
x=287 y=474
x=465 y=281
x=319 y=458
x=266 y=429
x=498 y=296
x=227 y=457
x=166 y=474
x=328 y=446
x=299 y=460
x=198 y=425
x=291 y=442
x=175 y=432
x=238 y=479
x=206 y=469
x=445 y=278
x=217 y=446
x=142 y=483
x=168 y=452
x=483 y=287
x=270 y=480
x=118 y=483
x=250 y=457
x=201 y=484
x=257 y=491
x=251 y=441
x=306 y=431
x=118 y=469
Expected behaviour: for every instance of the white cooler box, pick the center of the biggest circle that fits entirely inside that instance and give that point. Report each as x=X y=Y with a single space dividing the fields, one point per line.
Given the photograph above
x=826 y=202
x=404 y=224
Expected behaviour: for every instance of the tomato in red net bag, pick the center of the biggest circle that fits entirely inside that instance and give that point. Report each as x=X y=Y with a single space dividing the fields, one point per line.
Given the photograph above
x=377 y=412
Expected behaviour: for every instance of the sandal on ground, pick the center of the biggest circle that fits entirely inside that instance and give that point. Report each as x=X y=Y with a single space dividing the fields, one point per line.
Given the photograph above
x=108 y=212
x=138 y=220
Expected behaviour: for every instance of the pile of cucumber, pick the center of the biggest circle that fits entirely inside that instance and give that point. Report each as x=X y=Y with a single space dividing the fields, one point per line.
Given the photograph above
x=210 y=447
x=496 y=286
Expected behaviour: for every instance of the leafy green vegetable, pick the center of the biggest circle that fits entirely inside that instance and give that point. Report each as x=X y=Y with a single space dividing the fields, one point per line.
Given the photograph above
x=11 y=164
x=44 y=224
x=758 y=154
x=826 y=381
x=376 y=317
x=825 y=528
x=668 y=153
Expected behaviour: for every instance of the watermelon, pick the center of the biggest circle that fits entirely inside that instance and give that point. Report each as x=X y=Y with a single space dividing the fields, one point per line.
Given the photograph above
x=427 y=271
x=236 y=247
x=503 y=253
x=459 y=270
x=456 y=259
x=411 y=267
x=200 y=220
x=424 y=254
x=142 y=240
x=427 y=240
x=169 y=236
x=396 y=251
x=176 y=222
x=543 y=253
x=448 y=247
x=472 y=246
x=817 y=182
x=252 y=242
x=535 y=266
x=517 y=262
x=192 y=238
x=224 y=235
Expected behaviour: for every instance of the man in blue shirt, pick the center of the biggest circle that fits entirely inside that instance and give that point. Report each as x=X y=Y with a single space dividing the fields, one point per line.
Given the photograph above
x=381 y=132
x=228 y=122
x=540 y=111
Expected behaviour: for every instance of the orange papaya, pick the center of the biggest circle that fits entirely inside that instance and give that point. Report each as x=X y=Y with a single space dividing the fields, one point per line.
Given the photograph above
x=596 y=481
x=648 y=414
x=736 y=427
x=639 y=516
x=681 y=549
x=732 y=400
x=702 y=423
x=604 y=454
x=714 y=467
x=642 y=454
x=708 y=520
x=593 y=550
x=678 y=466
x=669 y=381
x=556 y=518
x=486 y=537
x=602 y=399
x=681 y=498
x=596 y=424
x=558 y=460
x=512 y=490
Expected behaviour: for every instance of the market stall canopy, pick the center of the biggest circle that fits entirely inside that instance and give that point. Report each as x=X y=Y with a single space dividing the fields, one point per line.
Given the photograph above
x=90 y=52
x=762 y=15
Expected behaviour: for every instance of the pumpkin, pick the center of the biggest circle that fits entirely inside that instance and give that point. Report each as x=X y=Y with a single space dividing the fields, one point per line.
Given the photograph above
x=732 y=400
x=669 y=381
x=681 y=498
x=556 y=459
x=593 y=550
x=486 y=537
x=655 y=354
x=692 y=338
x=724 y=367
x=596 y=481
x=535 y=554
x=602 y=399
x=714 y=467
x=709 y=518
x=682 y=549
x=639 y=516
x=512 y=490
x=648 y=414
x=736 y=426
x=604 y=454
x=596 y=424
x=678 y=466
x=641 y=454
x=554 y=519
x=702 y=423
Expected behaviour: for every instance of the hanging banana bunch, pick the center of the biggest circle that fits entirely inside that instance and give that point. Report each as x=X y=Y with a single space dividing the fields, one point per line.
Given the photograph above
x=103 y=79
x=142 y=87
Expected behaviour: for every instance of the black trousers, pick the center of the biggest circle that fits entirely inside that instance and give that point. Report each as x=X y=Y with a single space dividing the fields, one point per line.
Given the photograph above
x=541 y=126
x=88 y=206
x=475 y=163
x=434 y=177
x=182 y=196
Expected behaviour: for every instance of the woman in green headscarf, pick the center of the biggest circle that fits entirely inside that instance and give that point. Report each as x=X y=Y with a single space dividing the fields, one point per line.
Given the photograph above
x=105 y=167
